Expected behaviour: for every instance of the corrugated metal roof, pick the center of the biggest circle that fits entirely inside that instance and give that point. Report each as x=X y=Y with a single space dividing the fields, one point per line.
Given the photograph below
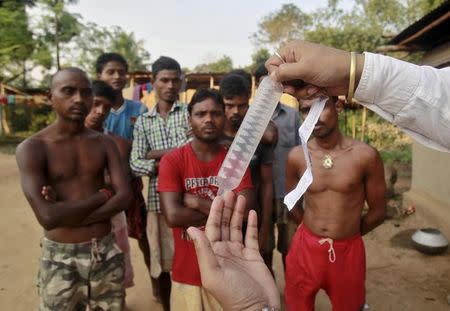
x=431 y=30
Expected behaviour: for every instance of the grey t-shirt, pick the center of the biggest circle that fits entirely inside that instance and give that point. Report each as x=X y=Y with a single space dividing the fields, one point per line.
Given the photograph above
x=287 y=120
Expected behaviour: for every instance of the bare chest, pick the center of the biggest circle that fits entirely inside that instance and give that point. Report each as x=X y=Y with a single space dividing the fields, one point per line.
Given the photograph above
x=75 y=160
x=343 y=175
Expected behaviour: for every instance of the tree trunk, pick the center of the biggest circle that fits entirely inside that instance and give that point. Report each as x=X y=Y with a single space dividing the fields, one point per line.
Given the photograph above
x=24 y=75
x=58 y=66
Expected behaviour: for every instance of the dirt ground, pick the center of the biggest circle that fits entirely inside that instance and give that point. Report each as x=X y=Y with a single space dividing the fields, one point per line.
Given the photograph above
x=398 y=277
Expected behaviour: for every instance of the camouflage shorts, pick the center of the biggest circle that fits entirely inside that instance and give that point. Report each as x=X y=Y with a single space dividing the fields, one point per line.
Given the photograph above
x=81 y=276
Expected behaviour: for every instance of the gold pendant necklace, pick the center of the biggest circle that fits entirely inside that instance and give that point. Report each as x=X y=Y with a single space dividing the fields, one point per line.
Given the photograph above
x=327 y=161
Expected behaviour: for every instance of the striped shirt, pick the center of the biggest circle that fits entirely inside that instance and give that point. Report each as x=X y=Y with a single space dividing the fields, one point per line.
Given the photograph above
x=152 y=132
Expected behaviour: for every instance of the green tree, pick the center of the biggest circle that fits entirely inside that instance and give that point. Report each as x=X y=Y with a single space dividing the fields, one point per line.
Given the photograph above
x=58 y=26
x=57 y=36
x=359 y=29
x=94 y=40
x=132 y=49
x=281 y=26
x=258 y=58
x=16 y=43
x=224 y=64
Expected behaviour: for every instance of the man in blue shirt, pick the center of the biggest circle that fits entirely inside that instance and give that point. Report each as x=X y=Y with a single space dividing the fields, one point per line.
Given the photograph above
x=112 y=68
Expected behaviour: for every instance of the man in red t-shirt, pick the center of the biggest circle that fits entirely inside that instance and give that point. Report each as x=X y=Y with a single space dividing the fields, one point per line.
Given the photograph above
x=187 y=185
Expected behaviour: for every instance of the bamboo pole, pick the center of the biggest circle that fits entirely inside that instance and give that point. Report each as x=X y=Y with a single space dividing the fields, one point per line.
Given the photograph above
x=345 y=122
x=253 y=90
x=364 y=118
x=2 y=92
x=353 y=125
x=1 y=118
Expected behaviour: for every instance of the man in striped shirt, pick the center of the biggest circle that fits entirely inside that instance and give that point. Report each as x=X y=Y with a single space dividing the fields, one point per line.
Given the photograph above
x=156 y=133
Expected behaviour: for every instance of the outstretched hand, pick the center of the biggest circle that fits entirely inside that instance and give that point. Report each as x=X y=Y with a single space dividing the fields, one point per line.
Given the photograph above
x=233 y=272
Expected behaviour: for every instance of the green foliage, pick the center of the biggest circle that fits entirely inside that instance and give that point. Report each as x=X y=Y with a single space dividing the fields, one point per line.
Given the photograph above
x=58 y=26
x=18 y=116
x=259 y=57
x=358 y=29
x=8 y=143
x=95 y=40
x=284 y=25
x=132 y=49
x=92 y=42
x=16 y=39
x=28 y=118
x=223 y=64
x=403 y=155
x=23 y=48
x=42 y=117
x=16 y=43
x=393 y=144
x=57 y=38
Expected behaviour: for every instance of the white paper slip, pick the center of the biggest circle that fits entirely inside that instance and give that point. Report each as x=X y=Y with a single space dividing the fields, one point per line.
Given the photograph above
x=305 y=132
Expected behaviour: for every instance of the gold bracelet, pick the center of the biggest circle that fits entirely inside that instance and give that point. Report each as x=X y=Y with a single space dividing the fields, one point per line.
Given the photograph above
x=351 y=83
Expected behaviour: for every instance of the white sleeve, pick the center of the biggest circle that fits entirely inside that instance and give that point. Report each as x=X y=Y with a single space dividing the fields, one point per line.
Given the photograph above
x=415 y=98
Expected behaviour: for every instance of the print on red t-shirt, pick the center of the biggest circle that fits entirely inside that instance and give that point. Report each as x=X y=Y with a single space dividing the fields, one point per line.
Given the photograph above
x=181 y=171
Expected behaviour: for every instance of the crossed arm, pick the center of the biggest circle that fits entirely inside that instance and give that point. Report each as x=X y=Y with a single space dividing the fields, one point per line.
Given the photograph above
x=185 y=209
x=119 y=182
x=140 y=162
x=31 y=160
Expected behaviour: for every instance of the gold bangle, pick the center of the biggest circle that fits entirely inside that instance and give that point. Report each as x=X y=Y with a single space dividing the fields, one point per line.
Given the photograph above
x=351 y=83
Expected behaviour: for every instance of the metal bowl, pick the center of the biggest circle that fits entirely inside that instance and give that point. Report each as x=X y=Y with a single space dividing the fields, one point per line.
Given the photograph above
x=429 y=241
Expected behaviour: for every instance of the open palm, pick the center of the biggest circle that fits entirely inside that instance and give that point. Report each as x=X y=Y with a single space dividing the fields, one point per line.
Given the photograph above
x=234 y=273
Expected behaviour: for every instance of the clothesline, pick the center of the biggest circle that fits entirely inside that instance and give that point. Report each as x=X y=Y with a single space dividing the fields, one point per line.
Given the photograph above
x=23 y=99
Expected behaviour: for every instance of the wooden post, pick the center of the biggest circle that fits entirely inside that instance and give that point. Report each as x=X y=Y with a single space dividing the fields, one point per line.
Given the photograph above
x=345 y=121
x=2 y=92
x=185 y=94
x=1 y=118
x=364 y=117
x=353 y=125
x=211 y=81
x=253 y=86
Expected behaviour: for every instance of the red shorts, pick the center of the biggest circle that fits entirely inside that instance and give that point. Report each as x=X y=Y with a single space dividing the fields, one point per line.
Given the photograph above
x=336 y=266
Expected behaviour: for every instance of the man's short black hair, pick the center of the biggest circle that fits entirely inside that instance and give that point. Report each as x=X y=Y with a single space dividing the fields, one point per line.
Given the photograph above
x=165 y=63
x=105 y=58
x=233 y=85
x=101 y=88
x=245 y=74
x=203 y=94
x=261 y=71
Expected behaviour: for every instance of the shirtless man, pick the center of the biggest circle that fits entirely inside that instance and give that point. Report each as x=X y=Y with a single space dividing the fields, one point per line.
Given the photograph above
x=81 y=264
x=327 y=250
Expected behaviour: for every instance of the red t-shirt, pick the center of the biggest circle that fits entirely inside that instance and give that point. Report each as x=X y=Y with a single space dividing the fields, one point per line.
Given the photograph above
x=181 y=171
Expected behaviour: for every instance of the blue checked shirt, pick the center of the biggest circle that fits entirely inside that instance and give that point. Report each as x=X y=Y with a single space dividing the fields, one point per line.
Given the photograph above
x=152 y=132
